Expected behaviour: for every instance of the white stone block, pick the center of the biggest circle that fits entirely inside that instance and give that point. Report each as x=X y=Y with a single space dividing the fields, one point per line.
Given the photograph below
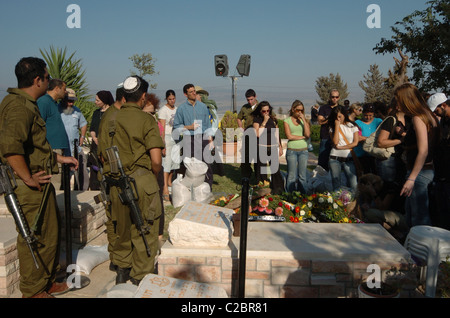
x=201 y=225
x=155 y=286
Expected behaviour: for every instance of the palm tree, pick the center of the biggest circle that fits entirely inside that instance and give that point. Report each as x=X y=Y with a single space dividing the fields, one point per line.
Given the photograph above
x=65 y=67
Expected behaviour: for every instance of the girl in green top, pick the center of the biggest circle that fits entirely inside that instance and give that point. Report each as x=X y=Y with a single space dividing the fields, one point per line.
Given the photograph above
x=297 y=131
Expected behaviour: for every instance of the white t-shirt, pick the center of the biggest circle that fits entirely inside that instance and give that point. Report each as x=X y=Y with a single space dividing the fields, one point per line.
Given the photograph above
x=168 y=115
x=349 y=130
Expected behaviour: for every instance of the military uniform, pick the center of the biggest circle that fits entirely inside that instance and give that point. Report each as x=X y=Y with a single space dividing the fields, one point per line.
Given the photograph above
x=110 y=114
x=134 y=134
x=245 y=115
x=23 y=132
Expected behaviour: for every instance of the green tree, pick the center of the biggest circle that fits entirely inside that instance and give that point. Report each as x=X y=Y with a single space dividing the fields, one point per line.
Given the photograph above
x=145 y=64
x=324 y=84
x=65 y=67
x=374 y=86
x=425 y=37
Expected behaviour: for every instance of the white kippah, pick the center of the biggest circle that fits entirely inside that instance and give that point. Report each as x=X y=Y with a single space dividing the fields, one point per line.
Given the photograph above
x=131 y=84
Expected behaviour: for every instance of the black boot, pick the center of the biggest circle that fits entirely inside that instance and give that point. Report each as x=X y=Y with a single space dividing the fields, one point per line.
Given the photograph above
x=123 y=275
x=112 y=267
x=135 y=281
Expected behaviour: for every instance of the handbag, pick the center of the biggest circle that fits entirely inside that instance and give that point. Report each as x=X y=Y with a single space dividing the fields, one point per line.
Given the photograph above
x=370 y=147
x=358 y=166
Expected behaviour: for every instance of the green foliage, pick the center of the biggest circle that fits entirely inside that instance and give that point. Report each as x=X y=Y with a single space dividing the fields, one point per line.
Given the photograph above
x=145 y=64
x=425 y=36
x=229 y=120
x=315 y=133
x=325 y=84
x=374 y=86
x=63 y=66
x=281 y=129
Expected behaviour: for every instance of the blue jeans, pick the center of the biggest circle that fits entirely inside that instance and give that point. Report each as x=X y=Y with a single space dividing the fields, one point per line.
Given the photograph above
x=387 y=169
x=416 y=205
x=336 y=167
x=324 y=153
x=297 y=162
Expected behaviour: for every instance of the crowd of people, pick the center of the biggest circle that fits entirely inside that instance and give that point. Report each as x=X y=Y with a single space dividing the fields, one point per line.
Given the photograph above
x=415 y=126
x=133 y=157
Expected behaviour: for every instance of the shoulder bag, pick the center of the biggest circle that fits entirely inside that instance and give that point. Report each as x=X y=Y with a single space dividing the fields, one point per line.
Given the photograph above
x=370 y=147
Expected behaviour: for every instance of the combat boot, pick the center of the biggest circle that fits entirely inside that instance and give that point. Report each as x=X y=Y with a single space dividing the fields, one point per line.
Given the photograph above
x=123 y=275
x=135 y=281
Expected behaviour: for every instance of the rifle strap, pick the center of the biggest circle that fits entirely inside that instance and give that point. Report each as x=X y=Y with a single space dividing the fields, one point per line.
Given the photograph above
x=36 y=227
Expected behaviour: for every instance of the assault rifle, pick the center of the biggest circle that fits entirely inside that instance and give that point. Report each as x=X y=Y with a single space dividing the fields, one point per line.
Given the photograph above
x=103 y=196
x=7 y=188
x=127 y=196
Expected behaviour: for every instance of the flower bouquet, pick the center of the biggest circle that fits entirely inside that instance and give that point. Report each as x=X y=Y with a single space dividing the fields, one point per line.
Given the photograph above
x=321 y=207
x=224 y=200
x=269 y=208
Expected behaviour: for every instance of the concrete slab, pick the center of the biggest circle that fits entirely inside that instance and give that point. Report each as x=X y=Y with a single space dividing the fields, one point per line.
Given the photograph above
x=155 y=286
x=8 y=233
x=323 y=241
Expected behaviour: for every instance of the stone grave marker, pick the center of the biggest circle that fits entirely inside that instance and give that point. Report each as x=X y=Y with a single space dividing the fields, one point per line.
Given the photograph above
x=155 y=286
x=201 y=225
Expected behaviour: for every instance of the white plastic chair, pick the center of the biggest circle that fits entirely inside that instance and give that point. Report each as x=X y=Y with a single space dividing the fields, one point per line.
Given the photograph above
x=430 y=244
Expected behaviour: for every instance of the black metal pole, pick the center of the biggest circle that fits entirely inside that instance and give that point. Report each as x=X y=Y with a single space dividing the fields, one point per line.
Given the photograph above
x=67 y=213
x=243 y=236
x=76 y=186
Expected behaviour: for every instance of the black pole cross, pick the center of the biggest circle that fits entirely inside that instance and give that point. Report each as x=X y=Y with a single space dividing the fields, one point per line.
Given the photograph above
x=243 y=236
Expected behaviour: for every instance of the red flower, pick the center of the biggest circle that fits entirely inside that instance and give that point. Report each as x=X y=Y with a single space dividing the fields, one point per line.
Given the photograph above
x=280 y=204
x=296 y=220
x=270 y=199
x=291 y=219
x=297 y=209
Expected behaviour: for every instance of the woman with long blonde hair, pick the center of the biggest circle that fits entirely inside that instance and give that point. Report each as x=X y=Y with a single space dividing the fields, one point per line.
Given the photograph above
x=297 y=131
x=419 y=144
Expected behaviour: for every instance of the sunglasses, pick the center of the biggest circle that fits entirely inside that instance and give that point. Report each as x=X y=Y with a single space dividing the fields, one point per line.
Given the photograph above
x=334 y=96
x=265 y=111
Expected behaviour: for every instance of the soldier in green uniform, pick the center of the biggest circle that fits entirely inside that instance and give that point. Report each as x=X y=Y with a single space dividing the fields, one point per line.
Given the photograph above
x=25 y=148
x=109 y=114
x=136 y=136
x=245 y=121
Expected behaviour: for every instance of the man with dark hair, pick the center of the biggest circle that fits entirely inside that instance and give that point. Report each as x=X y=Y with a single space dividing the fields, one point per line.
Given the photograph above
x=139 y=144
x=440 y=104
x=192 y=121
x=56 y=133
x=25 y=148
x=95 y=163
x=245 y=121
x=325 y=141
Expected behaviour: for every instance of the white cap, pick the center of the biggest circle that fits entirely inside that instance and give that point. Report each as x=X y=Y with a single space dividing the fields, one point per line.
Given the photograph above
x=435 y=100
x=131 y=84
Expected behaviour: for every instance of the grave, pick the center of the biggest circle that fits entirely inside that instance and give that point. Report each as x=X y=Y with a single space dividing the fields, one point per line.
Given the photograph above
x=155 y=286
x=287 y=259
x=201 y=225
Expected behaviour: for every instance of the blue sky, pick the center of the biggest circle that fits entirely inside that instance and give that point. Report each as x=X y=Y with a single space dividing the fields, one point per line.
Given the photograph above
x=291 y=42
